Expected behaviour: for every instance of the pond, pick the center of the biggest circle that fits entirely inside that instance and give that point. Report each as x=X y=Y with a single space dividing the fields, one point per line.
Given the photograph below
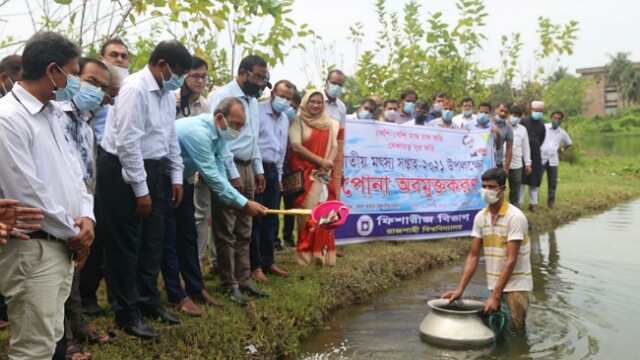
x=585 y=302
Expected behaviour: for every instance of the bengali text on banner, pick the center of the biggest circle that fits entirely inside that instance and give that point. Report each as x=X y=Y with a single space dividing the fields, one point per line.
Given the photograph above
x=411 y=182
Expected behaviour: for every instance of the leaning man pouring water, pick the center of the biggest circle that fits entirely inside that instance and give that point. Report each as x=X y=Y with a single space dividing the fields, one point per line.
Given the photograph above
x=501 y=229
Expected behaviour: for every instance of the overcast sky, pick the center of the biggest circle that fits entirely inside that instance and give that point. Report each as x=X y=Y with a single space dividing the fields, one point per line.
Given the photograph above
x=606 y=27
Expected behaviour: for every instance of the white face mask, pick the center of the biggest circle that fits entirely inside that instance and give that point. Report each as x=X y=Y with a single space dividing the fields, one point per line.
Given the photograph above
x=123 y=72
x=229 y=134
x=489 y=196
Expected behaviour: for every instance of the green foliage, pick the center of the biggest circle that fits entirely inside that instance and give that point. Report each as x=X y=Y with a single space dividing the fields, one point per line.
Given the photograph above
x=566 y=94
x=622 y=73
x=624 y=122
x=430 y=58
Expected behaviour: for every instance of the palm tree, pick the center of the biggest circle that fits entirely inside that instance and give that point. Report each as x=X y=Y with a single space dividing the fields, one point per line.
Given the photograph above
x=630 y=88
x=615 y=70
x=559 y=74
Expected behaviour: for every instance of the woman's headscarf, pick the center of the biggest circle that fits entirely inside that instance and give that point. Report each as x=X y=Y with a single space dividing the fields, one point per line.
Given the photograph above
x=320 y=121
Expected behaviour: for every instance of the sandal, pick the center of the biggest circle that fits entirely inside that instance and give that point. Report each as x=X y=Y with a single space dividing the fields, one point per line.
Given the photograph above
x=76 y=353
x=95 y=338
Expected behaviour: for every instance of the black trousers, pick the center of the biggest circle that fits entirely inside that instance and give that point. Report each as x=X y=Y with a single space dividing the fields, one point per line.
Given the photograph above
x=552 y=181
x=134 y=249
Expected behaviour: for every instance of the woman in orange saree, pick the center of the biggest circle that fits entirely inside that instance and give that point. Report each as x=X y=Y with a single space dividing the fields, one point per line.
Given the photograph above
x=314 y=140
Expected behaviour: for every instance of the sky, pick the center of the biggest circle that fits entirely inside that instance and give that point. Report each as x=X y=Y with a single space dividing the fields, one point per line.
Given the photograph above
x=606 y=27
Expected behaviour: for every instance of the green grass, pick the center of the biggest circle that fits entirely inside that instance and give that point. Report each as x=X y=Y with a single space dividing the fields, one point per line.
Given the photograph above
x=625 y=122
x=301 y=304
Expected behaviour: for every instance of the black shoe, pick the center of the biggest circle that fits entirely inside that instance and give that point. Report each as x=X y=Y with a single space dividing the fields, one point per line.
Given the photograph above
x=550 y=205
x=93 y=310
x=253 y=292
x=235 y=296
x=288 y=242
x=161 y=315
x=140 y=329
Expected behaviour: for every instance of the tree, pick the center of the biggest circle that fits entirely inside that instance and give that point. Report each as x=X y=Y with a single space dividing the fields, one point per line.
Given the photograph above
x=567 y=95
x=622 y=73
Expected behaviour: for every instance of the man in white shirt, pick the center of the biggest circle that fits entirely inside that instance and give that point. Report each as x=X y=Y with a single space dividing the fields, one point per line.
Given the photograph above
x=467 y=116
x=333 y=89
x=551 y=147
x=367 y=110
x=9 y=73
x=501 y=230
x=35 y=275
x=141 y=159
x=521 y=155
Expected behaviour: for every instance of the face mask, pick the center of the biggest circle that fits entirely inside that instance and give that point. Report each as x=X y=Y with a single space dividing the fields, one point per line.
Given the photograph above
x=514 y=120
x=259 y=94
x=66 y=94
x=499 y=120
x=483 y=118
x=174 y=83
x=251 y=89
x=408 y=107
x=391 y=115
x=489 y=196
x=280 y=104
x=467 y=113
x=447 y=115
x=89 y=98
x=421 y=118
x=536 y=115
x=290 y=112
x=437 y=108
x=229 y=134
x=334 y=90
x=122 y=71
x=555 y=124
x=364 y=115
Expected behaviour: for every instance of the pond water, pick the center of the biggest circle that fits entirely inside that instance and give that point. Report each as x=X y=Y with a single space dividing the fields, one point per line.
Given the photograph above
x=612 y=146
x=585 y=302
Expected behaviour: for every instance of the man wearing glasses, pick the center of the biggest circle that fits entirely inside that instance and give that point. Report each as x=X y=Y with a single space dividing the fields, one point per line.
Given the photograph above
x=232 y=232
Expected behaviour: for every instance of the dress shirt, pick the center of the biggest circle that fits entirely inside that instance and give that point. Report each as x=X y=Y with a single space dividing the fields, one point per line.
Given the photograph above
x=200 y=106
x=99 y=122
x=245 y=147
x=140 y=127
x=520 y=150
x=203 y=151
x=440 y=123
x=79 y=136
x=336 y=110
x=38 y=169
x=432 y=116
x=273 y=136
x=462 y=121
x=549 y=148
x=403 y=119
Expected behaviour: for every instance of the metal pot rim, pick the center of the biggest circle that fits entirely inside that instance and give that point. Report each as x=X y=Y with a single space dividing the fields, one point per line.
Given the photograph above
x=474 y=306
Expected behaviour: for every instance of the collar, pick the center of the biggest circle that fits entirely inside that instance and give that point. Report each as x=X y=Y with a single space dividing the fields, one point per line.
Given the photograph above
x=147 y=77
x=503 y=208
x=33 y=105
x=236 y=91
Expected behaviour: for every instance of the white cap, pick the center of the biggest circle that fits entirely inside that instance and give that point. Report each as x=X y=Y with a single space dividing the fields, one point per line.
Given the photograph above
x=537 y=104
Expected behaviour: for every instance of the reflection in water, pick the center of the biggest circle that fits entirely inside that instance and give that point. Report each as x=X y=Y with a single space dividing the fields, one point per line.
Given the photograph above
x=585 y=302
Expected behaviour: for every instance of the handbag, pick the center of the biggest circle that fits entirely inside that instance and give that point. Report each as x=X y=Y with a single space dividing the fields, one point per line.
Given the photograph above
x=293 y=183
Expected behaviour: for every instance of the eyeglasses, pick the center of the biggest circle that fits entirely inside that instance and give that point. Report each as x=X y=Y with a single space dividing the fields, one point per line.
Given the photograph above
x=197 y=77
x=257 y=77
x=315 y=102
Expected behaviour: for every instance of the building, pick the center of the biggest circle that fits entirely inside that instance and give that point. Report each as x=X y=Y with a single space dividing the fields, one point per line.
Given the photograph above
x=603 y=98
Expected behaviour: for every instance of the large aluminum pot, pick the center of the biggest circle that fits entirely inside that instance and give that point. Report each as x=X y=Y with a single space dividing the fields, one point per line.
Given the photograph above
x=456 y=324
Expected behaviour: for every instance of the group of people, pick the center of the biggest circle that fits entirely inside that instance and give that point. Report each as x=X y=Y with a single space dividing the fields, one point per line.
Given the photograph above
x=126 y=176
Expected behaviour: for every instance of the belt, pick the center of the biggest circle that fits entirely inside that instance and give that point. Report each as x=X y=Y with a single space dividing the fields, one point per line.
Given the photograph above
x=242 y=162
x=269 y=165
x=43 y=235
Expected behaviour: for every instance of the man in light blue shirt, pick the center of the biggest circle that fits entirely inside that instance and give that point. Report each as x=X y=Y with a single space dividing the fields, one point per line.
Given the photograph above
x=274 y=130
x=243 y=161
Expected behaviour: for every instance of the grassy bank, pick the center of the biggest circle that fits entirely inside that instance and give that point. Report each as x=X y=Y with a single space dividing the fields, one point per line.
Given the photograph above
x=300 y=304
x=624 y=122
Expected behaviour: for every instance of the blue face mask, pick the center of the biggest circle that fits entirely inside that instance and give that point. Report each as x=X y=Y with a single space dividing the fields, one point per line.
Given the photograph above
x=499 y=120
x=174 y=82
x=483 y=118
x=334 y=90
x=290 y=112
x=536 y=115
x=89 y=98
x=280 y=104
x=437 y=108
x=408 y=107
x=66 y=94
x=363 y=114
x=555 y=124
x=447 y=115
x=467 y=113
x=514 y=120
